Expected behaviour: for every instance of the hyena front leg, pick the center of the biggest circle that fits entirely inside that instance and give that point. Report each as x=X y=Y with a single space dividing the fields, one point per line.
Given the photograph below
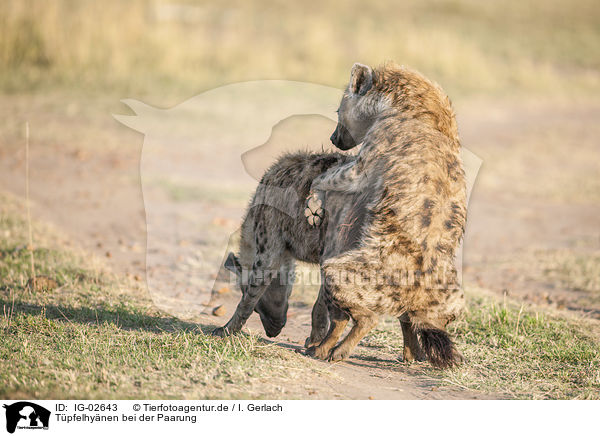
x=273 y=305
x=264 y=268
x=345 y=178
x=320 y=321
x=339 y=320
x=338 y=273
x=412 y=349
x=362 y=325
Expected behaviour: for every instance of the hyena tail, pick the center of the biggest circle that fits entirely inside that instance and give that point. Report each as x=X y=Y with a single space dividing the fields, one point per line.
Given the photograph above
x=437 y=346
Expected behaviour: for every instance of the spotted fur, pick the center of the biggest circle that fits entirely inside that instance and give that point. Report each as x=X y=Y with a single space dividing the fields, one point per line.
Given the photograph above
x=410 y=168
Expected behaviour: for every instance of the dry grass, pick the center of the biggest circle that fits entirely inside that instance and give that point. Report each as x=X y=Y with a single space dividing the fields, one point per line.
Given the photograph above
x=139 y=46
x=522 y=352
x=94 y=336
x=515 y=351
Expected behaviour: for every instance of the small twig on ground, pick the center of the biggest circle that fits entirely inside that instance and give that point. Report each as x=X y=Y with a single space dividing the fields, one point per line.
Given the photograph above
x=30 y=245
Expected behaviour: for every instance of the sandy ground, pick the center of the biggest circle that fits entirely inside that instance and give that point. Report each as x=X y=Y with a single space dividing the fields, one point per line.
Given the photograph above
x=534 y=206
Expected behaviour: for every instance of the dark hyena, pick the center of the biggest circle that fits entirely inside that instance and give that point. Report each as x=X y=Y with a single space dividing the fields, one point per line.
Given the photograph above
x=274 y=233
x=409 y=162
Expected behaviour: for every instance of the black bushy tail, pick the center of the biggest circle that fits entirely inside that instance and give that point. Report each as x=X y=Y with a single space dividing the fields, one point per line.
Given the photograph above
x=438 y=347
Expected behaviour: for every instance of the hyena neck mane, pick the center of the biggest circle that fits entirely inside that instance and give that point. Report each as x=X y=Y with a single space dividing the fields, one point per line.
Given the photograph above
x=410 y=95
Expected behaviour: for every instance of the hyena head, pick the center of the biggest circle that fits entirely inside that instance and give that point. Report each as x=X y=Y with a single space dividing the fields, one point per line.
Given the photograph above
x=390 y=90
x=272 y=306
x=359 y=108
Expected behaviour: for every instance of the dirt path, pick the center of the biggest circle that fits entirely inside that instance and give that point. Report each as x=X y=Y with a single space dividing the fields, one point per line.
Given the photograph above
x=93 y=193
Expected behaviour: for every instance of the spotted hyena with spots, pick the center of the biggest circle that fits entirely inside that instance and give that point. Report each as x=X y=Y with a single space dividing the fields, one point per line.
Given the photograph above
x=410 y=167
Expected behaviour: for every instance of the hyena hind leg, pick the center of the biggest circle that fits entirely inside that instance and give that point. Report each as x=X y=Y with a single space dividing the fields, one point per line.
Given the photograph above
x=320 y=321
x=412 y=349
x=273 y=305
x=259 y=279
x=339 y=320
x=362 y=325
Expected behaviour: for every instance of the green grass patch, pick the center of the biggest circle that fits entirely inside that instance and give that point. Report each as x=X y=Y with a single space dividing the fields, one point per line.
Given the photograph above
x=515 y=351
x=94 y=336
x=524 y=353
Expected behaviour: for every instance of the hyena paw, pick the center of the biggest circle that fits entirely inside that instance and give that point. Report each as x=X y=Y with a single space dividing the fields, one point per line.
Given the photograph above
x=311 y=343
x=409 y=355
x=314 y=209
x=220 y=332
x=338 y=353
x=310 y=351
x=317 y=352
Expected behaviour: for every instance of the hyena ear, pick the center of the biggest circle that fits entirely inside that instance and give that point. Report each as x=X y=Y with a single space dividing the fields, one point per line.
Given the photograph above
x=361 y=79
x=233 y=264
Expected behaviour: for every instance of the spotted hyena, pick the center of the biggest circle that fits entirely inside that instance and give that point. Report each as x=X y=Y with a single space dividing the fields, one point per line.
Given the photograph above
x=409 y=163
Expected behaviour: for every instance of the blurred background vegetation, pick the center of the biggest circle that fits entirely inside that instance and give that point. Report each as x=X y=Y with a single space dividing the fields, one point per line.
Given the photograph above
x=524 y=76
x=180 y=47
